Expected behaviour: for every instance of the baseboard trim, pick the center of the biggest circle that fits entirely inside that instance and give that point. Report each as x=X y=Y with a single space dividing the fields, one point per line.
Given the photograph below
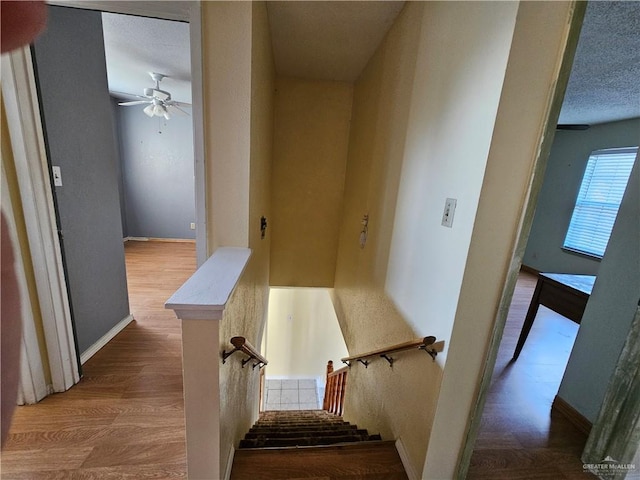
x=571 y=414
x=157 y=239
x=526 y=268
x=106 y=338
x=404 y=457
x=227 y=473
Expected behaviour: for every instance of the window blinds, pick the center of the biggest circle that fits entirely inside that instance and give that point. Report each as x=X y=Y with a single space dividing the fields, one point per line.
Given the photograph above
x=603 y=185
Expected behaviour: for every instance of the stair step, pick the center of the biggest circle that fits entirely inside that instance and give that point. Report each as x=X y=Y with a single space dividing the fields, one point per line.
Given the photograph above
x=371 y=460
x=302 y=441
x=300 y=428
x=286 y=433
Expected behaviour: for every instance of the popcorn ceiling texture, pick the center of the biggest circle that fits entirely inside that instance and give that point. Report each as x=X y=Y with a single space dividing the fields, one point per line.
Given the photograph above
x=604 y=86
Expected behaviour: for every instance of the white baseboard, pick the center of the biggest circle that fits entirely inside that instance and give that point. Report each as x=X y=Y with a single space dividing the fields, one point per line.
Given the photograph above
x=106 y=338
x=227 y=473
x=155 y=239
x=404 y=457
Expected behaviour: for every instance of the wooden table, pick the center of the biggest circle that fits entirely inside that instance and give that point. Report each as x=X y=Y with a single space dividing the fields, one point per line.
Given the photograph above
x=563 y=293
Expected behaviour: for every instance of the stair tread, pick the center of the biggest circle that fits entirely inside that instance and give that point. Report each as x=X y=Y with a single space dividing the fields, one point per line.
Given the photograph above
x=372 y=460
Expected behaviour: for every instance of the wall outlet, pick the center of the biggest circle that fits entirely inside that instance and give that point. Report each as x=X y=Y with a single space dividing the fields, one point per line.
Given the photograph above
x=192 y=226
x=449 y=210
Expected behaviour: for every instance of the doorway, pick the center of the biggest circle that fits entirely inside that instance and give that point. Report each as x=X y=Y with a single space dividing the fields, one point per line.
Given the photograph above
x=584 y=381
x=19 y=95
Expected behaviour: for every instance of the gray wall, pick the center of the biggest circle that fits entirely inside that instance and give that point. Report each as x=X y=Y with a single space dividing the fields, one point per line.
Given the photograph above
x=565 y=169
x=610 y=311
x=72 y=80
x=158 y=174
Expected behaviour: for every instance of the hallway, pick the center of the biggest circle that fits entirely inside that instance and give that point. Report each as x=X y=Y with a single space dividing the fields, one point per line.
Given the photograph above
x=519 y=438
x=125 y=419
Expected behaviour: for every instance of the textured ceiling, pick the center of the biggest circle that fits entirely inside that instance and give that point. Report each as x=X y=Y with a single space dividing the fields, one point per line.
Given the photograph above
x=135 y=46
x=605 y=80
x=334 y=40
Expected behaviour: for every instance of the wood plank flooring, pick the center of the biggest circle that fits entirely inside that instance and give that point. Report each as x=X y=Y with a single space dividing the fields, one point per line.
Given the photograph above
x=519 y=438
x=125 y=419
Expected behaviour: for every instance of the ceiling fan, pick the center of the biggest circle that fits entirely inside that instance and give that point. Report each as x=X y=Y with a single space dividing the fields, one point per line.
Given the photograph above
x=159 y=102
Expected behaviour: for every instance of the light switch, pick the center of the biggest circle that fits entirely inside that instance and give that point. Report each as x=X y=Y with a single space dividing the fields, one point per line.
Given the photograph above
x=57 y=176
x=449 y=210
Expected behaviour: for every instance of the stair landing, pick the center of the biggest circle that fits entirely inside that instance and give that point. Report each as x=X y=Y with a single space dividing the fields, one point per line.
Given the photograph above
x=371 y=460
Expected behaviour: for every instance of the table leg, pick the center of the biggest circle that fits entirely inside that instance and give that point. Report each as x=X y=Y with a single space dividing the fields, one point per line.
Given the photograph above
x=528 y=320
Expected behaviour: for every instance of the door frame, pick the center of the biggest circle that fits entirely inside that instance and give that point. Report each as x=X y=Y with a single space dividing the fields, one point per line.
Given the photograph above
x=27 y=142
x=522 y=237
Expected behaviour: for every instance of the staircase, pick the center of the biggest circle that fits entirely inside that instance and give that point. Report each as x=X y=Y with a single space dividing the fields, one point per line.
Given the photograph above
x=313 y=444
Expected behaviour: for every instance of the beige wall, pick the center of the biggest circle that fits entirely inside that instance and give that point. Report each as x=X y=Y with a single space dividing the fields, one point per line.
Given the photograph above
x=226 y=71
x=453 y=110
x=246 y=311
x=302 y=334
x=396 y=402
x=309 y=158
x=496 y=247
x=423 y=118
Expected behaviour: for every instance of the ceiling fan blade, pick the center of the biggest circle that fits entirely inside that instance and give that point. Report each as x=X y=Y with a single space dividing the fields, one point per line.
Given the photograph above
x=125 y=95
x=135 y=102
x=173 y=108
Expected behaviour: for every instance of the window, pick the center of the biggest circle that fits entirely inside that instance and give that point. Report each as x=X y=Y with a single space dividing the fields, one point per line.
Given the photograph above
x=603 y=185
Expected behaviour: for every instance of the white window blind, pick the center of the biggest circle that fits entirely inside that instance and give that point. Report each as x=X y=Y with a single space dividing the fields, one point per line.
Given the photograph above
x=603 y=185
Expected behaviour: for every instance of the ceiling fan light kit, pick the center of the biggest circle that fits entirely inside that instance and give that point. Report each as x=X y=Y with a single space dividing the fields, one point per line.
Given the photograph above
x=159 y=102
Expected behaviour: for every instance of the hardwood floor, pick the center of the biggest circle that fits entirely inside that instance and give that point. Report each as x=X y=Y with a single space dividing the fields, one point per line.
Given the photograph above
x=519 y=438
x=125 y=419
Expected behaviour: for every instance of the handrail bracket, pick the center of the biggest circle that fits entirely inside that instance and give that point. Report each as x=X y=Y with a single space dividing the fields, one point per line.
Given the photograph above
x=430 y=351
x=388 y=359
x=226 y=354
x=364 y=362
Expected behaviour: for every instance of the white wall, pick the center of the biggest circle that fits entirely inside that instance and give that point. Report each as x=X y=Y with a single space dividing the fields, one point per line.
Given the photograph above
x=454 y=103
x=302 y=333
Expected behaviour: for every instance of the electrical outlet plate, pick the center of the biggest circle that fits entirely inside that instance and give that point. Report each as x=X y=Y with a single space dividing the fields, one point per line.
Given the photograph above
x=449 y=210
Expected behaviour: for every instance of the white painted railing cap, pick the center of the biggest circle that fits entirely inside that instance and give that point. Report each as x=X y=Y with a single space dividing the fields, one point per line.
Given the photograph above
x=205 y=294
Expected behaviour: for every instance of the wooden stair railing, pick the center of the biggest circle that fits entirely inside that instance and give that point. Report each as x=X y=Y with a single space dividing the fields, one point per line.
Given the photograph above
x=242 y=345
x=428 y=344
x=337 y=380
x=335 y=389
